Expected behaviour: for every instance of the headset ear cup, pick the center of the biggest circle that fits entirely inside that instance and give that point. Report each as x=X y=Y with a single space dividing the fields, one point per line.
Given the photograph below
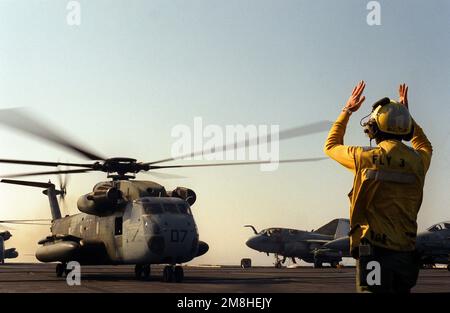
x=374 y=130
x=367 y=130
x=371 y=129
x=409 y=136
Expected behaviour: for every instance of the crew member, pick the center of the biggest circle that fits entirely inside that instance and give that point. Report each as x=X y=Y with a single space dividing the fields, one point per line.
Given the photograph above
x=387 y=191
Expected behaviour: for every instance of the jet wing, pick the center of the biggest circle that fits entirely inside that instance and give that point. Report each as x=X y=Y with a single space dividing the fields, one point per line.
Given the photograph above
x=321 y=241
x=315 y=243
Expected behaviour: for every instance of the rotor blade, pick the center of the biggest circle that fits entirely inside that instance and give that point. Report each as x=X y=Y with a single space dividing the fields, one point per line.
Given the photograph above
x=19 y=120
x=282 y=135
x=63 y=205
x=60 y=182
x=44 y=163
x=46 y=173
x=164 y=175
x=25 y=221
x=62 y=188
x=27 y=183
x=237 y=163
x=65 y=181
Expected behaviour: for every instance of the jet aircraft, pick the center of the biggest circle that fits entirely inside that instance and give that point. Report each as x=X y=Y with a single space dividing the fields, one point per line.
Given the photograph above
x=300 y=244
x=433 y=246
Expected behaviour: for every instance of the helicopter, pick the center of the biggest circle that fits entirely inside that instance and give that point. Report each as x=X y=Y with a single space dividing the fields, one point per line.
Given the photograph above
x=122 y=220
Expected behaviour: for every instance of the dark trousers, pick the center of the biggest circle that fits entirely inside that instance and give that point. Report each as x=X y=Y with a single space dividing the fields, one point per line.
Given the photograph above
x=398 y=271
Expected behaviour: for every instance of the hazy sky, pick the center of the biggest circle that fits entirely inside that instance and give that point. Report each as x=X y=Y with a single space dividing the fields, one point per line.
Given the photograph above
x=133 y=70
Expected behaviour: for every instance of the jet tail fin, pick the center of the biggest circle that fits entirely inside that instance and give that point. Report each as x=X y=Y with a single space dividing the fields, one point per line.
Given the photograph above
x=338 y=228
x=342 y=229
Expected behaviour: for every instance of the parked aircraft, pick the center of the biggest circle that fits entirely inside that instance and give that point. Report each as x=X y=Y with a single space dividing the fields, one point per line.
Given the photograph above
x=300 y=244
x=10 y=253
x=433 y=246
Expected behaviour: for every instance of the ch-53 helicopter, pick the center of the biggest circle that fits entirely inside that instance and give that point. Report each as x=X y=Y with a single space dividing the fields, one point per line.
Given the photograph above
x=123 y=220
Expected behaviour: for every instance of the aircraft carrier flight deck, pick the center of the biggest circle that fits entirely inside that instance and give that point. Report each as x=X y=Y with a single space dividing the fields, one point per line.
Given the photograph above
x=21 y=277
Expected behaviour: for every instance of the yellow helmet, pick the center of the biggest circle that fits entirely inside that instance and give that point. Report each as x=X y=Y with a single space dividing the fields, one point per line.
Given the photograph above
x=389 y=117
x=393 y=118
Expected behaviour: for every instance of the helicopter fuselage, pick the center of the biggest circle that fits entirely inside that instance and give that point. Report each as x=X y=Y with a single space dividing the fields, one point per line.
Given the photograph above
x=132 y=222
x=151 y=230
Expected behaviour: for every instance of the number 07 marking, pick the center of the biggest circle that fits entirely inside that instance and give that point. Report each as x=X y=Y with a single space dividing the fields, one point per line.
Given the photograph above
x=178 y=235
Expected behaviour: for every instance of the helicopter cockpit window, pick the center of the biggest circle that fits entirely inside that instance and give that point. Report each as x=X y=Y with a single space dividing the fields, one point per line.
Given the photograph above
x=152 y=208
x=184 y=208
x=171 y=208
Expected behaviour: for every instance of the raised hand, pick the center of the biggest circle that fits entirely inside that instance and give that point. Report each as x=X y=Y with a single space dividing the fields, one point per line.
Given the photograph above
x=403 y=94
x=355 y=100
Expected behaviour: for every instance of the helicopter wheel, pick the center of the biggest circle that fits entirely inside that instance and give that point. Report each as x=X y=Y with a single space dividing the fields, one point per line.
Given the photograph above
x=178 y=274
x=60 y=269
x=66 y=270
x=146 y=271
x=138 y=270
x=334 y=264
x=168 y=274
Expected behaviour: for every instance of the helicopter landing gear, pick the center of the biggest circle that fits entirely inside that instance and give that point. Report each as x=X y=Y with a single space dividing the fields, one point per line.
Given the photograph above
x=146 y=270
x=138 y=271
x=173 y=274
x=178 y=274
x=168 y=274
x=60 y=269
x=142 y=271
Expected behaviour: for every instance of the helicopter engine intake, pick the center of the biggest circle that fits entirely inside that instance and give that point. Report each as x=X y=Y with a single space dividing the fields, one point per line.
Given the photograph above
x=184 y=193
x=101 y=201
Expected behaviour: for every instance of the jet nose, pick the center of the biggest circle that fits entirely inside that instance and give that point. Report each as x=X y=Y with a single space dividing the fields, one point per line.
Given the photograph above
x=253 y=242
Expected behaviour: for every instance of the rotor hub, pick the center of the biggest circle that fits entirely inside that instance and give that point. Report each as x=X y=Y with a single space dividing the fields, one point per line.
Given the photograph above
x=118 y=168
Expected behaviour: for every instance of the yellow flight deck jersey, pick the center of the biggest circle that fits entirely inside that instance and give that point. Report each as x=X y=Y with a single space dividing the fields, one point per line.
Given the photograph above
x=387 y=188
